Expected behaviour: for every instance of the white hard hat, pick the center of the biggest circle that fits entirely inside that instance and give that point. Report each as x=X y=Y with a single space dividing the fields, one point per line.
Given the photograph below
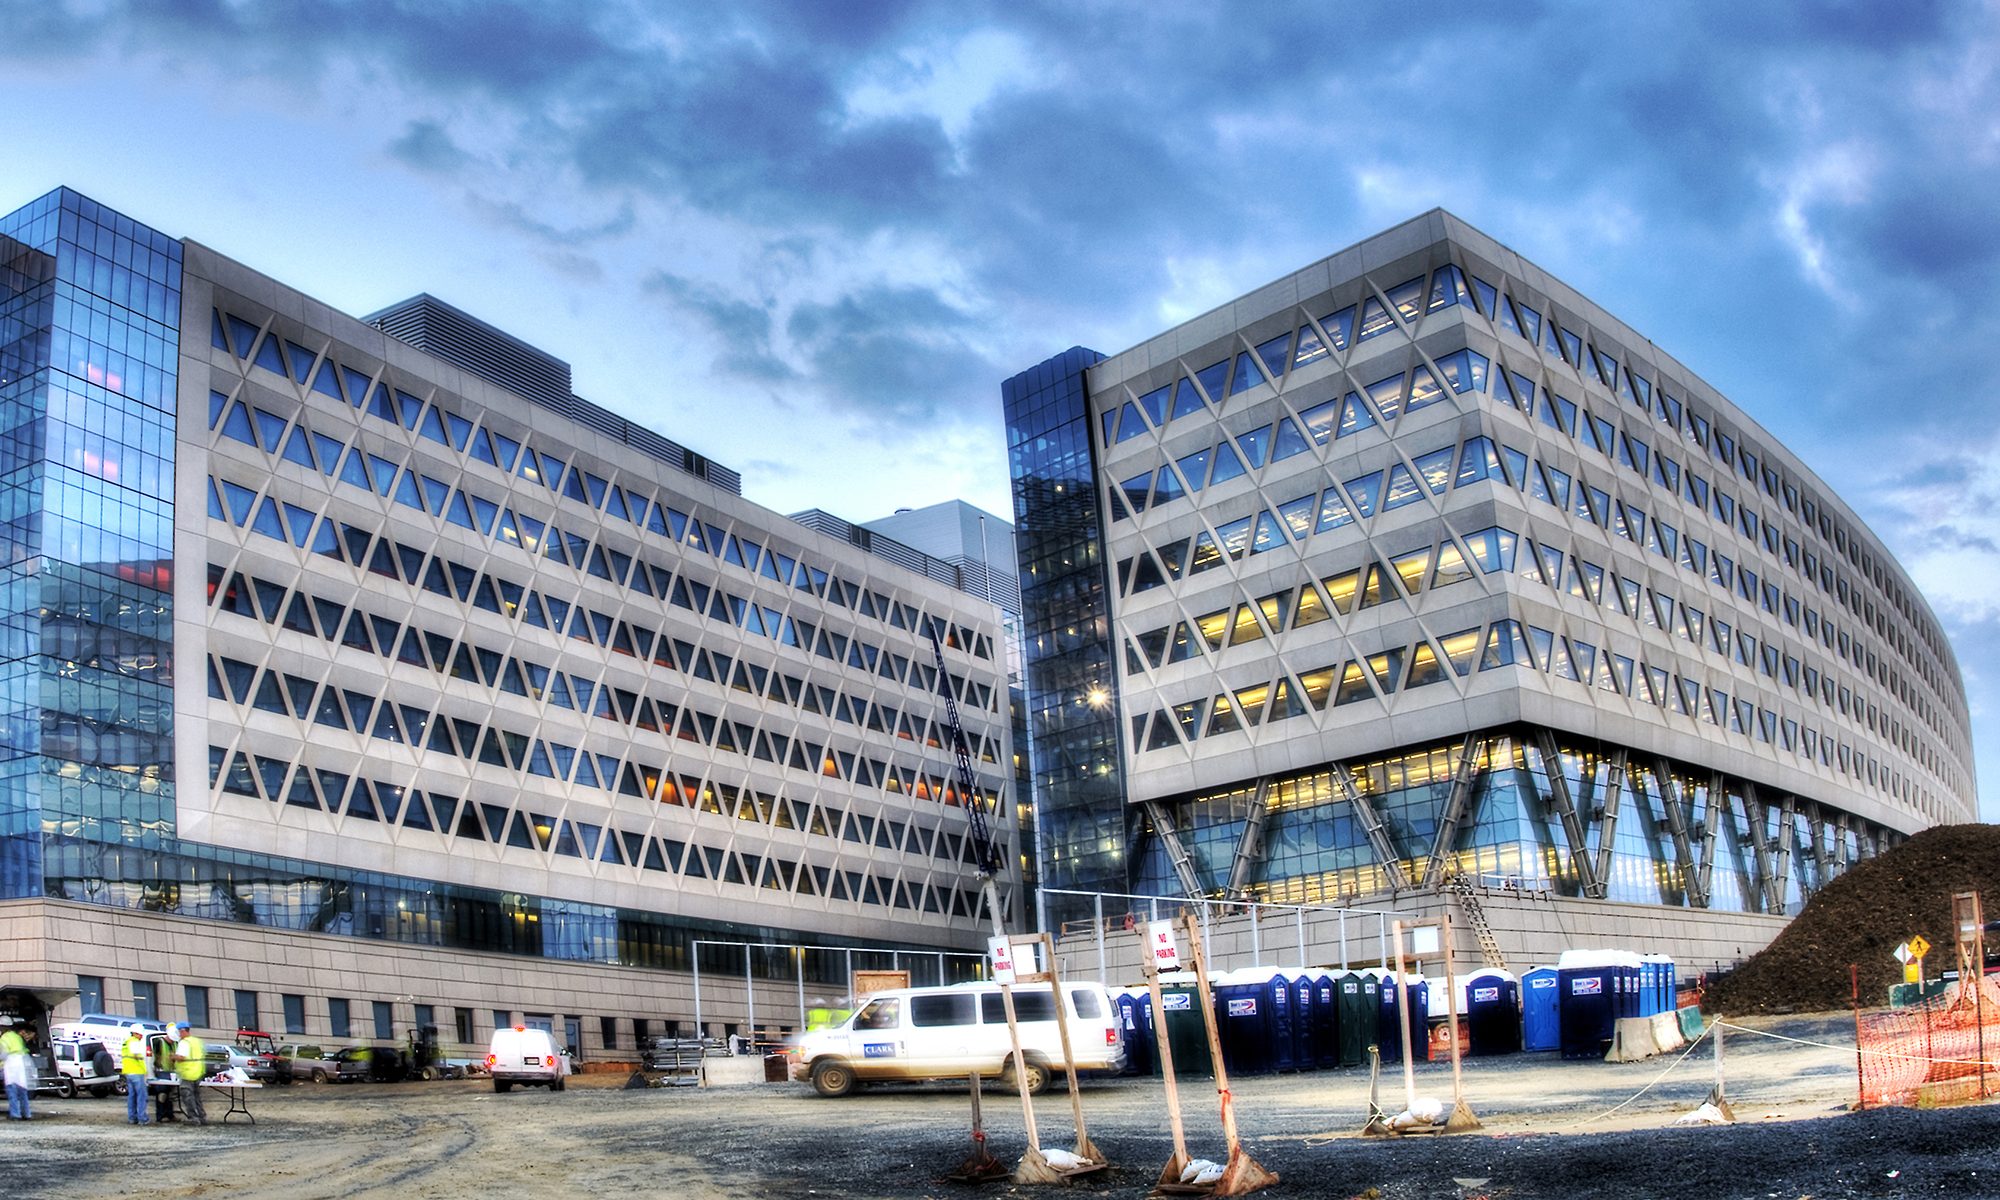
x=135 y=1029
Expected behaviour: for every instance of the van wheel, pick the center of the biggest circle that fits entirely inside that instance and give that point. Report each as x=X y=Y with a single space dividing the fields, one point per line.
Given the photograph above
x=556 y=1084
x=1037 y=1080
x=66 y=1088
x=831 y=1077
x=503 y=1085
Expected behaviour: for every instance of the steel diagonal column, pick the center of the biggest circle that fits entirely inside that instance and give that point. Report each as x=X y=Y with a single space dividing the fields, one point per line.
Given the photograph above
x=1579 y=850
x=1607 y=827
x=1821 y=856
x=1782 y=872
x=1760 y=848
x=1677 y=825
x=1250 y=846
x=1371 y=824
x=1176 y=853
x=1464 y=774
x=1710 y=826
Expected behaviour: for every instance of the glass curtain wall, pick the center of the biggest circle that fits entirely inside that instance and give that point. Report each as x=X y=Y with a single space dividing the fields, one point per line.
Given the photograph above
x=89 y=345
x=1072 y=678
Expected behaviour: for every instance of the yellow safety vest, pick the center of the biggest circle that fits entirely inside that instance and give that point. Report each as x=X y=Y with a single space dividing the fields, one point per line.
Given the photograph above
x=191 y=1059
x=11 y=1042
x=133 y=1055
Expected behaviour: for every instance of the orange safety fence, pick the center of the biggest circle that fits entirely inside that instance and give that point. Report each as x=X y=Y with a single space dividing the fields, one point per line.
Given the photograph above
x=1942 y=1051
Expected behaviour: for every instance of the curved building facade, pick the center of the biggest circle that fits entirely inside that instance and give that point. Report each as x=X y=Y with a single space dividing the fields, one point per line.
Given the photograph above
x=1419 y=568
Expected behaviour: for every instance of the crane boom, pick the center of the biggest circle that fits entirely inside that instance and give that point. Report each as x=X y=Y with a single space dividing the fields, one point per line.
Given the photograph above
x=985 y=855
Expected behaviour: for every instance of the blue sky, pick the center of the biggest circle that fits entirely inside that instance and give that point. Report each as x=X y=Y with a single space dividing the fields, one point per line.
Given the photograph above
x=810 y=240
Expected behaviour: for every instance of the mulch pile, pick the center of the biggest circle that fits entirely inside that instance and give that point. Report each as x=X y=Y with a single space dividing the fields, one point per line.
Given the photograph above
x=1860 y=918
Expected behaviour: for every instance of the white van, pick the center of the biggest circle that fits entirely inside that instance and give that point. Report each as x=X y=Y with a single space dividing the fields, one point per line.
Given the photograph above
x=912 y=1034
x=525 y=1055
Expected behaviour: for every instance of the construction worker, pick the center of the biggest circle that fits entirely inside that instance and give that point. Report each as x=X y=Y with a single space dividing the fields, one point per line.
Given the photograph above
x=132 y=1064
x=190 y=1064
x=19 y=1071
x=163 y=1068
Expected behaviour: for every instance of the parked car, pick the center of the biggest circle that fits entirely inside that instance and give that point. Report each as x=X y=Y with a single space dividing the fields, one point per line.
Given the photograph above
x=79 y=1067
x=343 y=1066
x=524 y=1055
x=303 y=1056
x=225 y=1058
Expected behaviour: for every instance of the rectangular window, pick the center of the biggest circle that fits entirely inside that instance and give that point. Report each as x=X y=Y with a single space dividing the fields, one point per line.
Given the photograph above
x=949 y=1009
x=608 y=1028
x=640 y=1031
x=197 y=1006
x=462 y=1019
x=90 y=993
x=385 y=1020
x=340 y=1019
x=295 y=1013
x=426 y=1017
x=246 y=1010
x=502 y=1019
x=145 y=1000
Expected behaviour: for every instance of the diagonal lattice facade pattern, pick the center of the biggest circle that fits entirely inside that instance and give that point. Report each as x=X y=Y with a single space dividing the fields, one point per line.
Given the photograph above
x=1423 y=504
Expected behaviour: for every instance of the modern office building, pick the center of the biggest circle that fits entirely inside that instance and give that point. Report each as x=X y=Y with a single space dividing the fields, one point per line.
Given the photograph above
x=1416 y=570
x=360 y=675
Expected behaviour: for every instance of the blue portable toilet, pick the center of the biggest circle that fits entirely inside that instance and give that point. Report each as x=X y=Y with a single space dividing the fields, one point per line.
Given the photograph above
x=1492 y=1013
x=1242 y=1018
x=1388 y=1033
x=1135 y=1017
x=1541 y=1021
x=1281 y=1050
x=1595 y=988
x=1325 y=1021
x=1669 y=983
x=1649 y=986
x=1305 y=1012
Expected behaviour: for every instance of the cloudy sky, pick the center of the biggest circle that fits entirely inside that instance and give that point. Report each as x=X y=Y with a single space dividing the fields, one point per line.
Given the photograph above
x=810 y=240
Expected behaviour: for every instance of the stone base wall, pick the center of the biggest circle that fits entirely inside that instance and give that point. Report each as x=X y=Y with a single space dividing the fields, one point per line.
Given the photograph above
x=49 y=943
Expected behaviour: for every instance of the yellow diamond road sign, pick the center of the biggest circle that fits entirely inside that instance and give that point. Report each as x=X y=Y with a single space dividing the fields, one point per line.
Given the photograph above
x=1919 y=947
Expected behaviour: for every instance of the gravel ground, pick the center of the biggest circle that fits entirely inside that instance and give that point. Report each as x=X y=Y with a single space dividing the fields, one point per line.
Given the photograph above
x=1547 y=1135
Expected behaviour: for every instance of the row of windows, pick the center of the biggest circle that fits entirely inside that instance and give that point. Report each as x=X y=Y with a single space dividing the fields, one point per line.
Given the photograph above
x=647 y=513
x=382 y=556
x=1494 y=550
x=306 y=700
x=244 y=774
x=1506 y=643
x=1328 y=420
x=434 y=497
x=316 y=616
x=1334 y=332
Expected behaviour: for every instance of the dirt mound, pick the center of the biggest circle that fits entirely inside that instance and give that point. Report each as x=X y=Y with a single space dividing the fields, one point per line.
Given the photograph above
x=1860 y=918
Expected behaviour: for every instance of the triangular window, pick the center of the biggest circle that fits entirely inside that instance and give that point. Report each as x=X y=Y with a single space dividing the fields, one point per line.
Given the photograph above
x=1211 y=379
x=1246 y=375
x=1129 y=424
x=1155 y=404
x=1227 y=465
x=1290 y=440
x=1186 y=399
x=1273 y=353
x=1311 y=348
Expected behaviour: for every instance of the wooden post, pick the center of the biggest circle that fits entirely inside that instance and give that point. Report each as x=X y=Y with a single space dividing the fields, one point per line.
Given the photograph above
x=1403 y=1020
x=1461 y=1119
x=1854 y=995
x=1242 y=1174
x=1171 y=1173
x=1032 y=1168
x=1084 y=1149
